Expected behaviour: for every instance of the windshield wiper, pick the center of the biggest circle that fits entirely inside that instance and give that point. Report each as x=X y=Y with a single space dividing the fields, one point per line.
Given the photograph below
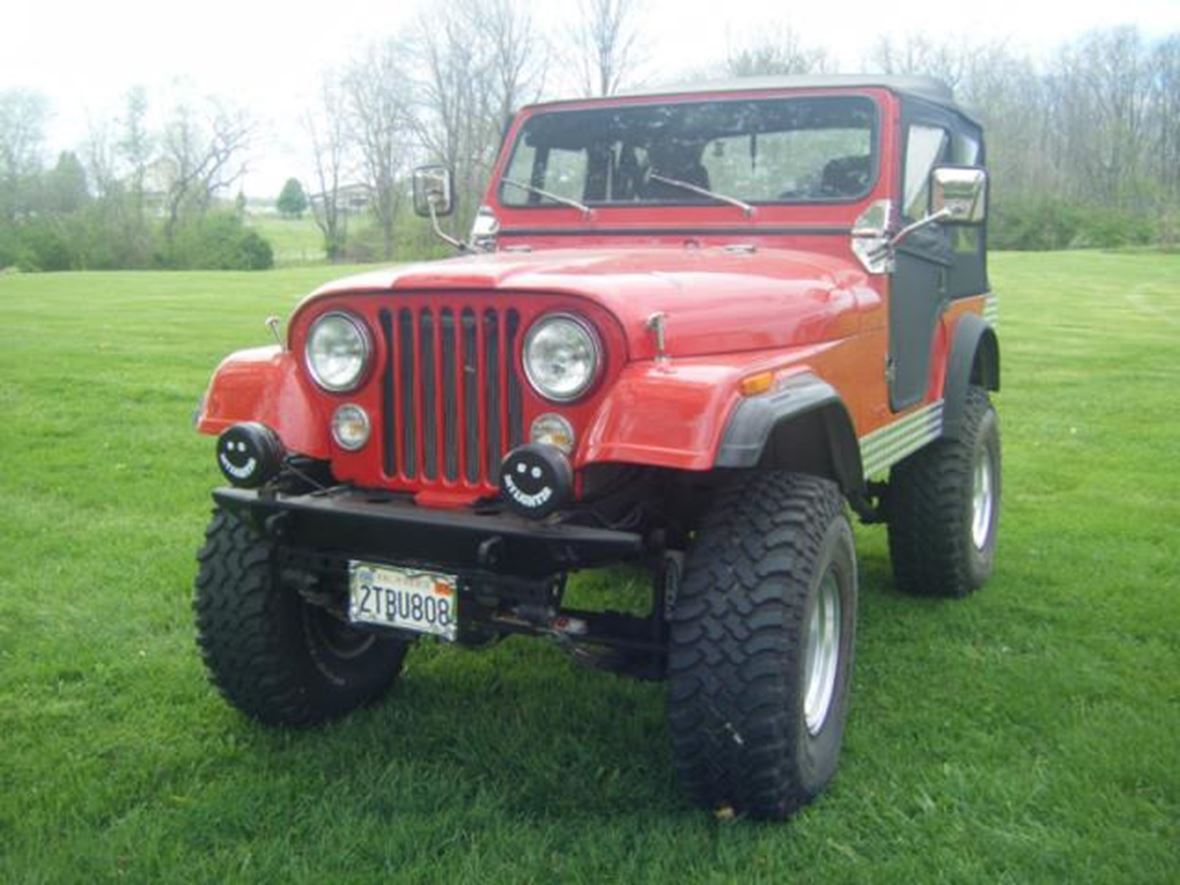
x=557 y=198
x=703 y=191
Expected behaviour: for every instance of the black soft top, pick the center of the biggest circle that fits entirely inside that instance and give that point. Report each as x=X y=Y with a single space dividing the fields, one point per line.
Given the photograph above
x=928 y=89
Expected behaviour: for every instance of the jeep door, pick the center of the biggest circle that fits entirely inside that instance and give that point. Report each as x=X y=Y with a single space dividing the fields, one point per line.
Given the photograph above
x=937 y=263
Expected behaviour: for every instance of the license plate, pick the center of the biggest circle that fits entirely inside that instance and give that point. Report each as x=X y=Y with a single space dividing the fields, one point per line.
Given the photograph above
x=410 y=599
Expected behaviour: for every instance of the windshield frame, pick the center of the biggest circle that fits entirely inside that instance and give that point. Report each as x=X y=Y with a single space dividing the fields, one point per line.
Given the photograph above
x=518 y=135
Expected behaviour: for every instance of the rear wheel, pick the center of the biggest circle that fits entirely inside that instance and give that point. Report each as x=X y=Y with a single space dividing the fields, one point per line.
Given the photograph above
x=761 y=646
x=944 y=507
x=271 y=653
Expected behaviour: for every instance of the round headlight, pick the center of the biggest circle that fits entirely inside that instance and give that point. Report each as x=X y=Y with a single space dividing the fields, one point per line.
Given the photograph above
x=338 y=351
x=562 y=357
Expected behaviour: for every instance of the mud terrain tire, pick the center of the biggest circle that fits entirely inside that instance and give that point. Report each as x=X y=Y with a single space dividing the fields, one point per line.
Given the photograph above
x=272 y=654
x=772 y=570
x=942 y=534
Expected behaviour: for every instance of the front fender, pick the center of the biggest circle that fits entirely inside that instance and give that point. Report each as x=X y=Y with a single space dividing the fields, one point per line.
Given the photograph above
x=664 y=414
x=264 y=384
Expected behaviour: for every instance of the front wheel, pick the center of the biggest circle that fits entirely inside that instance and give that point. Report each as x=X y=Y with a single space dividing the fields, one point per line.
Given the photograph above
x=271 y=653
x=760 y=650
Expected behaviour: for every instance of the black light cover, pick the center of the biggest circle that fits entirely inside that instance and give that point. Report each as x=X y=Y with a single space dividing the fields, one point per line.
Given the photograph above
x=536 y=479
x=249 y=454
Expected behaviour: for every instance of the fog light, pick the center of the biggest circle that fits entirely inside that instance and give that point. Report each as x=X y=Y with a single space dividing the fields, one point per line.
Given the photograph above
x=552 y=430
x=350 y=427
x=535 y=480
x=249 y=454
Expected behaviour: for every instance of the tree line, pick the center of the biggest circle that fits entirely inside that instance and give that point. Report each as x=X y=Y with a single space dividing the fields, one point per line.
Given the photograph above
x=131 y=196
x=1083 y=143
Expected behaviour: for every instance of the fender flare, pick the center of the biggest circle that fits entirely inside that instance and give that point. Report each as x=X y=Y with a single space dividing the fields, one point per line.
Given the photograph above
x=974 y=359
x=803 y=425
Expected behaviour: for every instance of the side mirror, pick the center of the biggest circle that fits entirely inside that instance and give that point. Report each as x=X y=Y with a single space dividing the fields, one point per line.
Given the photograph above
x=959 y=193
x=433 y=191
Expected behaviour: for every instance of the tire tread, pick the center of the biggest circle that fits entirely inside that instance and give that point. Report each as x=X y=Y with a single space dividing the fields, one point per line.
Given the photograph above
x=252 y=638
x=732 y=628
x=927 y=533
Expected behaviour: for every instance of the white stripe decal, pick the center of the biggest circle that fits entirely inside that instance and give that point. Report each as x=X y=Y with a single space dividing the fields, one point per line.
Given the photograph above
x=887 y=445
x=991 y=309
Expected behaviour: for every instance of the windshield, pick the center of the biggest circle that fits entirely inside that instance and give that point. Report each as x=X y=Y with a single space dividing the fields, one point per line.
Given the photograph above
x=766 y=151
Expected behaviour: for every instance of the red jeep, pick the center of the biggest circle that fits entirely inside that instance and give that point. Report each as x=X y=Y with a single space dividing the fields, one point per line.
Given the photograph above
x=693 y=329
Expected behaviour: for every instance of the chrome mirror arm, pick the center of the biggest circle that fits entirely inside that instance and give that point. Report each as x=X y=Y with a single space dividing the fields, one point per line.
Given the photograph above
x=442 y=234
x=896 y=239
x=879 y=246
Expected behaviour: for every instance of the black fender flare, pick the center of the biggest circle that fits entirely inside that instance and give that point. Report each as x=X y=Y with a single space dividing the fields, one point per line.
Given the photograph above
x=803 y=426
x=974 y=359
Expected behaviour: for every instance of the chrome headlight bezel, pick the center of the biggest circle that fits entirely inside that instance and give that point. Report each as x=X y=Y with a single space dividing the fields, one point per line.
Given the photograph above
x=365 y=340
x=594 y=344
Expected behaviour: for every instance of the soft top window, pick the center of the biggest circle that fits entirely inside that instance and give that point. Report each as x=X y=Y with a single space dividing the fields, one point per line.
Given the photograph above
x=819 y=149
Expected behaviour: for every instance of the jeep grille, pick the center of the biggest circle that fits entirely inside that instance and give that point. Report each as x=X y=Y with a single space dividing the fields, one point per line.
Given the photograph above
x=450 y=394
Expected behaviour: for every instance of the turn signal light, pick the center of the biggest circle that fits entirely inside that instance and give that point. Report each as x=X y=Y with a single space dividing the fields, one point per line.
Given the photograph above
x=752 y=385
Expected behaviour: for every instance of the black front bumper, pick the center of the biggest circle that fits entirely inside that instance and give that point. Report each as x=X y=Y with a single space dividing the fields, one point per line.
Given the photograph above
x=391 y=529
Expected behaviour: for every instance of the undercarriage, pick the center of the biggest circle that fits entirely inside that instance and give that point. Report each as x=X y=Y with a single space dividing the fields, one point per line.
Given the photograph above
x=509 y=573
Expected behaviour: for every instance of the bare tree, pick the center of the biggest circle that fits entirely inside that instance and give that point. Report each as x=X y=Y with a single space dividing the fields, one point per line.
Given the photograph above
x=204 y=155
x=1100 y=89
x=777 y=49
x=326 y=125
x=23 y=115
x=605 y=37
x=476 y=62
x=376 y=92
x=135 y=148
x=1165 y=112
x=452 y=115
x=100 y=157
x=918 y=53
x=517 y=57
x=1005 y=91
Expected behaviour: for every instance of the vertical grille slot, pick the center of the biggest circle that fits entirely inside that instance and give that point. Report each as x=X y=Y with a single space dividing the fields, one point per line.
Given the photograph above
x=515 y=405
x=388 y=428
x=451 y=396
x=429 y=411
x=495 y=448
x=470 y=395
x=405 y=359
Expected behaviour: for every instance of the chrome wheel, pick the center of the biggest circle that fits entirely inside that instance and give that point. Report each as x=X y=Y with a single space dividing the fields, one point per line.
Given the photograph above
x=982 y=498
x=822 y=654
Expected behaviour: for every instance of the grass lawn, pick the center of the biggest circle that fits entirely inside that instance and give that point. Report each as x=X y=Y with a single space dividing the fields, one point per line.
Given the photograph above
x=1029 y=733
x=295 y=240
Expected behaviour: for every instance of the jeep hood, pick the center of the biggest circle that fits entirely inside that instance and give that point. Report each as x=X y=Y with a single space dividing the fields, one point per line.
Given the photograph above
x=715 y=300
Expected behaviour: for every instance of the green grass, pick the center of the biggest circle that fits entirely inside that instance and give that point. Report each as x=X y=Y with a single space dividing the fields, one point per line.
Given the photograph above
x=296 y=241
x=1030 y=733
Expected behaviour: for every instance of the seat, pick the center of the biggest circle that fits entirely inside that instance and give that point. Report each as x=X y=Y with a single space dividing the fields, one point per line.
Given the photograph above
x=845 y=177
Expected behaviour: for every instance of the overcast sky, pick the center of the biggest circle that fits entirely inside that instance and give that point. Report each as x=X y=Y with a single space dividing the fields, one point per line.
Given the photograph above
x=267 y=55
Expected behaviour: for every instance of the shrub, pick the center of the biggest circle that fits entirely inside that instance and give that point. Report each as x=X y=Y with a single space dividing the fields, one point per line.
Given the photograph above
x=364 y=245
x=1111 y=228
x=44 y=246
x=1034 y=225
x=255 y=251
x=9 y=246
x=1041 y=225
x=218 y=242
